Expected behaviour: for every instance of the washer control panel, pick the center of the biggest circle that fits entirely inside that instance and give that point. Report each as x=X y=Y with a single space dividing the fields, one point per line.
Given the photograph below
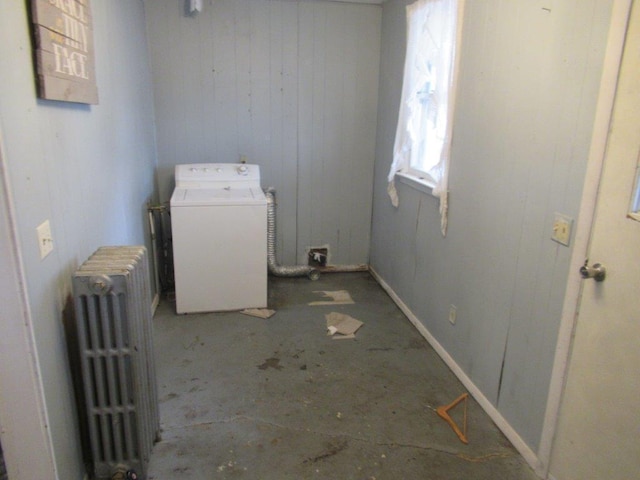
x=207 y=175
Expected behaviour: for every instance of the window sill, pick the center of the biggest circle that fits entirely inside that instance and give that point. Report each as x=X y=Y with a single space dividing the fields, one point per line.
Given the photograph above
x=418 y=183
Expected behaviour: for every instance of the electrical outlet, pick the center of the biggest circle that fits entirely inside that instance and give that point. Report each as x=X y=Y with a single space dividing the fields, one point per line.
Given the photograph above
x=452 y=314
x=45 y=240
x=562 y=229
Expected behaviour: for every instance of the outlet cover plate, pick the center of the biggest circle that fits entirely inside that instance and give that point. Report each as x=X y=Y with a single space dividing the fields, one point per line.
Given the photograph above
x=45 y=240
x=453 y=313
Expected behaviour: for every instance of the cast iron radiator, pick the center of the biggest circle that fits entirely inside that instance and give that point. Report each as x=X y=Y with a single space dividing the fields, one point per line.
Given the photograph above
x=112 y=297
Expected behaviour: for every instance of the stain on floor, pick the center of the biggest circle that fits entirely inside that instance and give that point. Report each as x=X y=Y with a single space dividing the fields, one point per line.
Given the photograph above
x=271 y=363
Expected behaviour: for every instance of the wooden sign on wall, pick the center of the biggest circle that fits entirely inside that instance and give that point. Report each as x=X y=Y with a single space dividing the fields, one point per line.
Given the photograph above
x=64 y=50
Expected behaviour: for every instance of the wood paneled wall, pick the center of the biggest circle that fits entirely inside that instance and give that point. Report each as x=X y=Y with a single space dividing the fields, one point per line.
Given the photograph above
x=292 y=86
x=87 y=169
x=529 y=79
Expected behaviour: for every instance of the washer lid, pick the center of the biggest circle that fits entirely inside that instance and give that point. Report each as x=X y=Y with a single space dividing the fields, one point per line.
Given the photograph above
x=230 y=195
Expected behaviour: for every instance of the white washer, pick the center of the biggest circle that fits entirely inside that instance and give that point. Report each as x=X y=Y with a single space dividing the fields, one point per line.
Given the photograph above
x=219 y=229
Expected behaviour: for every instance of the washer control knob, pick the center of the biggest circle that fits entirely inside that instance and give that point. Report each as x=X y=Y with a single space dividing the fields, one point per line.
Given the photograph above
x=193 y=169
x=219 y=170
x=243 y=170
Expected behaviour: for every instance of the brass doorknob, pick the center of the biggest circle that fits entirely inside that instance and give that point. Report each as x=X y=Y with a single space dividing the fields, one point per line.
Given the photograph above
x=597 y=271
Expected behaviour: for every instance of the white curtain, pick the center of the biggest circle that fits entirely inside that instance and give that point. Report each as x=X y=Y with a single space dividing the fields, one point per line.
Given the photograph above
x=423 y=135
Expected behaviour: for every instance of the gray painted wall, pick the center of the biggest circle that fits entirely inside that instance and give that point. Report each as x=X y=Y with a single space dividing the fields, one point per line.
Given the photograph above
x=290 y=85
x=88 y=169
x=527 y=92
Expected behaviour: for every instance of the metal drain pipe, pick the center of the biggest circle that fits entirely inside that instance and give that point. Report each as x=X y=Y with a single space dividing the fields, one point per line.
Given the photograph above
x=274 y=268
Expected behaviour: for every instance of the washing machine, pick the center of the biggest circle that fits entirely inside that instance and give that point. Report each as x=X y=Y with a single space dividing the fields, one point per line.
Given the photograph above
x=219 y=230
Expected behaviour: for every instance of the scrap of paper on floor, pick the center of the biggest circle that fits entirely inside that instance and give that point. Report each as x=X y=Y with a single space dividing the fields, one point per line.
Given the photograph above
x=338 y=297
x=343 y=325
x=258 y=312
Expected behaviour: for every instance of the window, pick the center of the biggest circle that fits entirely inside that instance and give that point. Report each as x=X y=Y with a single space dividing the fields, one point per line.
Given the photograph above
x=634 y=210
x=423 y=136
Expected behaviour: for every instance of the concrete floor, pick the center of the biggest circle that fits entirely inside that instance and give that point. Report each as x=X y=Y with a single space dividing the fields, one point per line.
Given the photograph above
x=243 y=397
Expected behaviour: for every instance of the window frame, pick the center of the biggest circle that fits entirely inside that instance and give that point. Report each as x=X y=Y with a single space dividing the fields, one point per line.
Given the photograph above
x=634 y=206
x=422 y=179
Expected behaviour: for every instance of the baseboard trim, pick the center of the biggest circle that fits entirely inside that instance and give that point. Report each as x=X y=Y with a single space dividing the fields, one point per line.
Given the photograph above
x=529 y=455
x=154 y=304
x=343 y=268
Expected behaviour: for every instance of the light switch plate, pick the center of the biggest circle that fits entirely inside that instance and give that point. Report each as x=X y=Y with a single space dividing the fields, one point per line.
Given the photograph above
x=45 y=240
x=562 y=225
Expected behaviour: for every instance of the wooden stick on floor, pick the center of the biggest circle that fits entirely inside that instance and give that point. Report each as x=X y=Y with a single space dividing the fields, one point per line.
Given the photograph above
x=443 y=412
